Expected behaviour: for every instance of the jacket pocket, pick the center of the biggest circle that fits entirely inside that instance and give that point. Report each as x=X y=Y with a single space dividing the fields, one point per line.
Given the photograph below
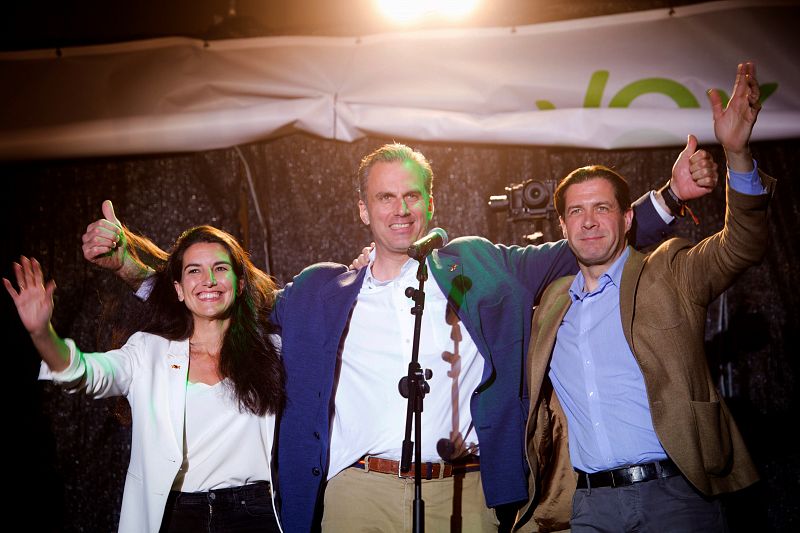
x=714 y=437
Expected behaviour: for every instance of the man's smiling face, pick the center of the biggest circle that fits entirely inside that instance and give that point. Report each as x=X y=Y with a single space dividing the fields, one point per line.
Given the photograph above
x=397 y=206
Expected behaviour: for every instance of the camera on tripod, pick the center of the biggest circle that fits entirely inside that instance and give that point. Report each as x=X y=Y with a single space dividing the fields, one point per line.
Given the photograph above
x=529 y=200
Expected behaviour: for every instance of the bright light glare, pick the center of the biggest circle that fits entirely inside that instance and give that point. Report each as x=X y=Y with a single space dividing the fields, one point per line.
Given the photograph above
x=456 y=8
x=402 y=10
x=413 y=10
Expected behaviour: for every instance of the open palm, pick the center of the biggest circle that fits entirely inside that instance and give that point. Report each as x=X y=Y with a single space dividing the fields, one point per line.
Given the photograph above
x=34 y=300
x=734 y=123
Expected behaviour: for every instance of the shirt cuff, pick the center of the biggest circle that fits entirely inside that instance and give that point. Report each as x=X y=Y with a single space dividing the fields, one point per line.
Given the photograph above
x=665 y=216
x=73 y=371
x=747 y=182
x=144 y=290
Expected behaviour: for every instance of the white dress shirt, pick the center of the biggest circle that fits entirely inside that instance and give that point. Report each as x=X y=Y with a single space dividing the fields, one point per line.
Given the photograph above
x=369 y=412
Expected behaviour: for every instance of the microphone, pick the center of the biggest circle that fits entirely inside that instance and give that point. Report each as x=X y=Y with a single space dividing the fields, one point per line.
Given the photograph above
x=446 y=449
x=436 y=238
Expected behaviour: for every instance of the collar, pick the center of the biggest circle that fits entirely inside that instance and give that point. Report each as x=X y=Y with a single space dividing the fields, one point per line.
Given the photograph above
x=409 y=269
x=178 y=349
x=613 y=275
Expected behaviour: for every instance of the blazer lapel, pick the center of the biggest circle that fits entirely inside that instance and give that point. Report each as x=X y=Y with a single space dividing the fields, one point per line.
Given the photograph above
x=177 y=374
x=449 y=276
x=337 y=298
x=546 y=321
x=631 y=274
x=447 y=272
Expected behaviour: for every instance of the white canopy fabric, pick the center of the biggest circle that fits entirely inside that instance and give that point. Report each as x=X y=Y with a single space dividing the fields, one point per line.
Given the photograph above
x=622 y=81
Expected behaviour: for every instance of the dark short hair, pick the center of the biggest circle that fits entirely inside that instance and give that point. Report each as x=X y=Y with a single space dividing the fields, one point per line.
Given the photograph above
x=579 y=175
x=389 y=153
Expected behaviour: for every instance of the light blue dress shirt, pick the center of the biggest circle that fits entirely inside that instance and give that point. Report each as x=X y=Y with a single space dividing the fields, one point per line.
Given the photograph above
x=599 y=383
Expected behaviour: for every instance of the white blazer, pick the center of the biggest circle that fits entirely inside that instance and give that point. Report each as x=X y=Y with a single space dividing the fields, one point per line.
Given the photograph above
x=151 y=372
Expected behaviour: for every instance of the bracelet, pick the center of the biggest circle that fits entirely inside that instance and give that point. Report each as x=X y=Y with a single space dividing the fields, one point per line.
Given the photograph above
x=675 y=204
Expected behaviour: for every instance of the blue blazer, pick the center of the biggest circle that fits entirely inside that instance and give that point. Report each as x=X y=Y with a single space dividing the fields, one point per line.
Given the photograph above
x=493 y=289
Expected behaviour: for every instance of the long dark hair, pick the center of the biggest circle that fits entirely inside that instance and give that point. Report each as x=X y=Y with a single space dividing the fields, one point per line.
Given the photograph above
x=248 y=358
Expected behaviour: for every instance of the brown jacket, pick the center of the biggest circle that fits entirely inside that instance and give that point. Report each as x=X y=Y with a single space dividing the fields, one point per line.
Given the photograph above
x=663 y=300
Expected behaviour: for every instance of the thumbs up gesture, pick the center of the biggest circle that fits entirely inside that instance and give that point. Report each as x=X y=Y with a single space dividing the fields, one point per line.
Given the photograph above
x=694 y=173
x=104 y=242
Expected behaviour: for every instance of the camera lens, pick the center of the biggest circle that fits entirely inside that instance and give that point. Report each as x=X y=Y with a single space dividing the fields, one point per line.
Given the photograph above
x=535 y=194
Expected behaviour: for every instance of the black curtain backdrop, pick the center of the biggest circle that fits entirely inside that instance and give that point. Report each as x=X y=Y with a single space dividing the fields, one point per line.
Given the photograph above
x=69 y=454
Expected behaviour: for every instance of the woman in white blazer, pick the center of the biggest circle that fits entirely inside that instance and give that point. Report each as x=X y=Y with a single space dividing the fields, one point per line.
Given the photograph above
x=203 y=378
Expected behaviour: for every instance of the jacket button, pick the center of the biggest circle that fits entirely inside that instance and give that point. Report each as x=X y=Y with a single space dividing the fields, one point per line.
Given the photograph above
x=315 y=471
x=316 y=435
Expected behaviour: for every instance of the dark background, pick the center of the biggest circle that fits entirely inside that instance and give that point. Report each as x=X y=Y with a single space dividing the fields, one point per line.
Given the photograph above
x=68 y=454
x=48 y=23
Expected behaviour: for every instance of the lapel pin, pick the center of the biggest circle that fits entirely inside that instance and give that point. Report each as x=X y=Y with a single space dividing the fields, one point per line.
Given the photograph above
x=453 y=267
x=177 y=367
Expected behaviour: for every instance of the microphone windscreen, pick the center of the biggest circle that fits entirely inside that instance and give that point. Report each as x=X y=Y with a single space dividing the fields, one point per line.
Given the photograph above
x=446 y=449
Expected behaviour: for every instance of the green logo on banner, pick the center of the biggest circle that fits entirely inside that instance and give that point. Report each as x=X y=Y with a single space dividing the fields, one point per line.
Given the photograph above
x=679 y=94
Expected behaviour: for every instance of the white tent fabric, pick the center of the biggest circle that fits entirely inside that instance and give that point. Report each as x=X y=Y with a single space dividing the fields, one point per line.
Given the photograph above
x=622 y=81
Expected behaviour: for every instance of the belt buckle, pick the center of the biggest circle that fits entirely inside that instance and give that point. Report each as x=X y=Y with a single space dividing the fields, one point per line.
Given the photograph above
x=637 y=474
x=428 y=470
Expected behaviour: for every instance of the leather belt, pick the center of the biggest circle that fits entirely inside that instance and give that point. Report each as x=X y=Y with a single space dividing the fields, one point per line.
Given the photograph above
x=622 y=477
x=429 y=470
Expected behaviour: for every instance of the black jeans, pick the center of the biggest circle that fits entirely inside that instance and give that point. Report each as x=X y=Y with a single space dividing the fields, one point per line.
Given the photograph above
x=237 y=509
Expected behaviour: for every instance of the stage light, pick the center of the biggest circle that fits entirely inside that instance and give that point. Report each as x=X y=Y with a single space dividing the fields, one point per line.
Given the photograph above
x=402 y=11
x=408 y=11
x=456 y=8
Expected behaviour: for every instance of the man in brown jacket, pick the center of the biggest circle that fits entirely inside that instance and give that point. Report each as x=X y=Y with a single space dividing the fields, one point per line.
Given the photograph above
x=626 y=426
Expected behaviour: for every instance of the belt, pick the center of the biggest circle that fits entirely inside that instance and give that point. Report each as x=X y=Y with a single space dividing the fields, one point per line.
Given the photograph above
x=622 y=477
x=429 y=470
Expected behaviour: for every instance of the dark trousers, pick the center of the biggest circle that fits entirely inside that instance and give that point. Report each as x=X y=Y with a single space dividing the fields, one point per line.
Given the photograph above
x=661 y=505
x=237 y=509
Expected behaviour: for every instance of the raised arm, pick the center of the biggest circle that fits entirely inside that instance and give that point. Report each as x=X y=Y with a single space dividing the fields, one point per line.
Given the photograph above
x=108 y=244
x=34 y=302
x=710 y=267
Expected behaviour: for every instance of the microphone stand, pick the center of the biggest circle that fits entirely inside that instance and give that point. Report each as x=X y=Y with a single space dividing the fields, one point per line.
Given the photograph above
x=414 y=387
